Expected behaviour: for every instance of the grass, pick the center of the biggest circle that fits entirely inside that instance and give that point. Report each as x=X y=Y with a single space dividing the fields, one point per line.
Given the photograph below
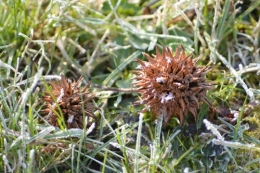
x=100 y=41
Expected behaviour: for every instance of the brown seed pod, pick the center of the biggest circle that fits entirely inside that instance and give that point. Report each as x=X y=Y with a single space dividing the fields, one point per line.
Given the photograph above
x=172 y=85
x=69 y=102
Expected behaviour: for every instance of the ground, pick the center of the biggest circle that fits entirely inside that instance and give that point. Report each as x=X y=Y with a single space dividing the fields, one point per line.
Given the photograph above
x=101 y=41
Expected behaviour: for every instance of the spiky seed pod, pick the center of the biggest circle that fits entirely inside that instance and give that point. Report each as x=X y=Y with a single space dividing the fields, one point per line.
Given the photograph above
x=172 y=85
x=69 y=100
